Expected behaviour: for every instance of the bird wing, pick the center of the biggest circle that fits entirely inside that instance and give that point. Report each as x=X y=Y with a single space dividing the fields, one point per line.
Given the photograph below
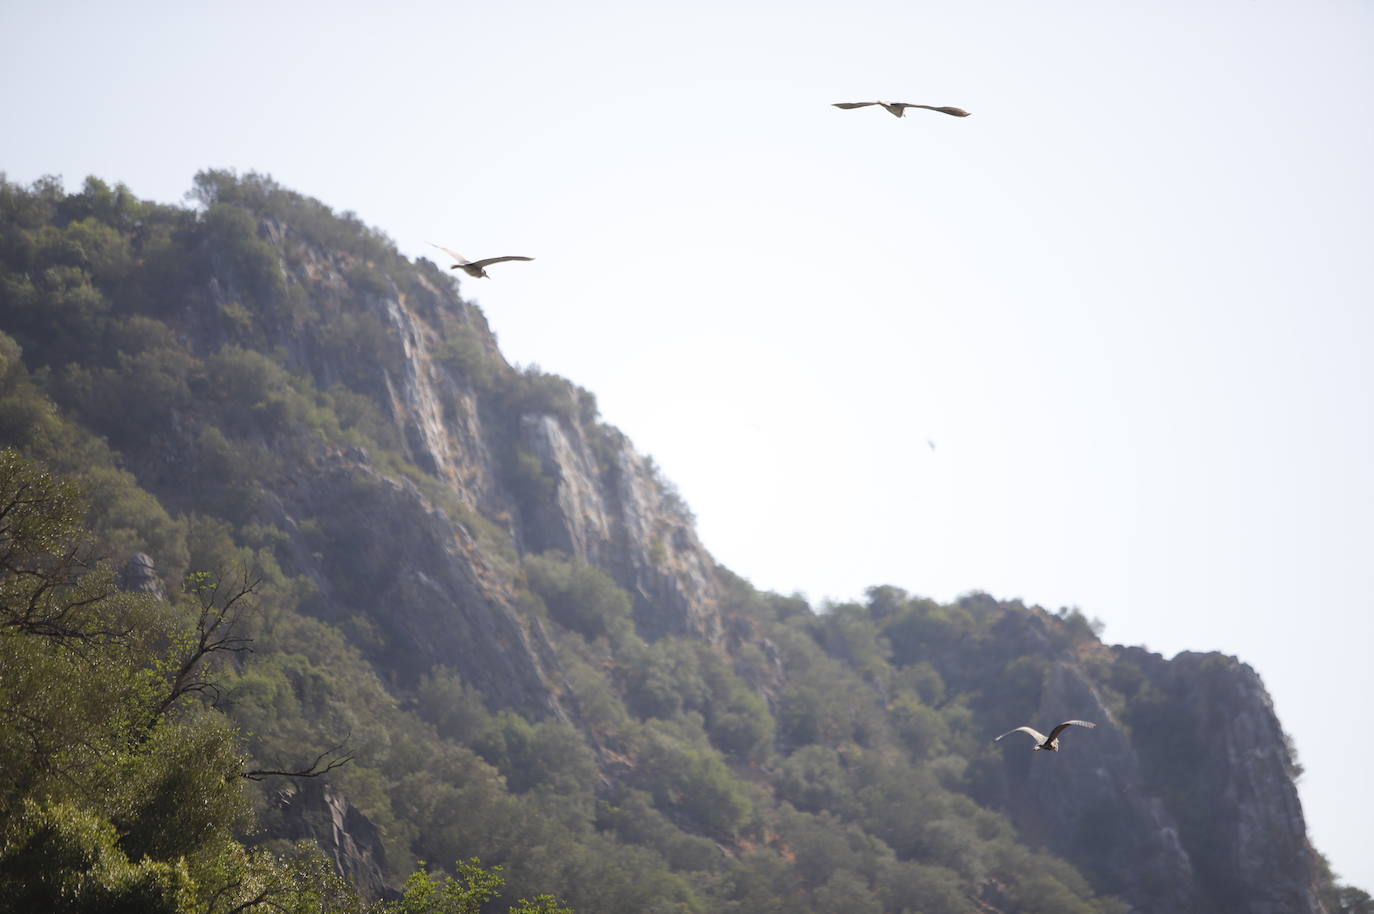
x=491 y=260
x=454 y=254
x=943 y=109
x=854 y=104
x=1071 y=723
x=1039 y=737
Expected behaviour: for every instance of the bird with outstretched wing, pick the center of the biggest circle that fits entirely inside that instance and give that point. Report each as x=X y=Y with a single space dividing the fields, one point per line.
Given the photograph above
x=474 y=268
x=897 y=109
x=1049 y=743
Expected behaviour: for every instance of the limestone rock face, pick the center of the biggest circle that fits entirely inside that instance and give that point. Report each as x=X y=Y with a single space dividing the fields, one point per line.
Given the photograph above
x=512 y=458
x=576 y=518
x=1188 y=807
x=420 y=577
x=1088 y=801
x=139 y=575
x=626 y=520
x=600 y=501
x=311 y=810
x=1243 y=820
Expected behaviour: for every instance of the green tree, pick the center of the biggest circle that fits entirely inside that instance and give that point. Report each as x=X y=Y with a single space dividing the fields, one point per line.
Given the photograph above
x=466 y=893
x=580 y=596
x=119 y=791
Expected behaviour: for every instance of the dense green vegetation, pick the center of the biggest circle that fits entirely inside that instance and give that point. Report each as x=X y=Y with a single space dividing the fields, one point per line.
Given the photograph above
x=120 y=791
x=175 y=363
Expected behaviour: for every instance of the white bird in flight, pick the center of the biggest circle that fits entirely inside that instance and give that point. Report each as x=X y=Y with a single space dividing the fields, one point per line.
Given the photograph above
x=1051 y=742
x=897 y=109
x=474 y=268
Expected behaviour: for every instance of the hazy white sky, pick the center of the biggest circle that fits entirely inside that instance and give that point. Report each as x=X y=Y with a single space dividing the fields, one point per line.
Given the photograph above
x=1129 y=299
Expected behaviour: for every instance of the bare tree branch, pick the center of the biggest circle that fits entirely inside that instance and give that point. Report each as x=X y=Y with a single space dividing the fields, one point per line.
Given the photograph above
x=313 y=770
x=215 y=633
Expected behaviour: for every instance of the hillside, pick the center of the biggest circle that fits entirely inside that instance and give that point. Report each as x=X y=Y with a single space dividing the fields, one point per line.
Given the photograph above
x=501 y=611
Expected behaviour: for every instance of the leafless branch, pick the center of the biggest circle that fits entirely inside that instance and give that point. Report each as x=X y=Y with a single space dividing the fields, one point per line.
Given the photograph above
x=221 y=611
x=313 y=770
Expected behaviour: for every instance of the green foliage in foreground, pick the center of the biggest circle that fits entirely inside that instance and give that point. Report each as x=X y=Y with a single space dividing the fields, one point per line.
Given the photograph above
x=465 y=893
x=119 y=791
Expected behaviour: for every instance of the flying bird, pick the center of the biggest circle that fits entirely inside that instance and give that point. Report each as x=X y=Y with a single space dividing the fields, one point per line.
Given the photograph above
x=897 y=109
x=474 y=268
x=1051 y=742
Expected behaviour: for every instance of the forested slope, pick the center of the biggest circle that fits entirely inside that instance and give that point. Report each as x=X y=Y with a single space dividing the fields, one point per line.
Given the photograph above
x=478 y=591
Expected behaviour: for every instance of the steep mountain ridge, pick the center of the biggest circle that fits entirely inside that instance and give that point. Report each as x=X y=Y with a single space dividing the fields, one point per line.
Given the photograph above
x=598 y=501
x=1239 y=812
x=1094 y=792
x=300 y=384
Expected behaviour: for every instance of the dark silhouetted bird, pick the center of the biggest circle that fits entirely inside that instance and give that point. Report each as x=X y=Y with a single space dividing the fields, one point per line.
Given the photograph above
x=897 y=109
x=1051 y=742
x=474 y=268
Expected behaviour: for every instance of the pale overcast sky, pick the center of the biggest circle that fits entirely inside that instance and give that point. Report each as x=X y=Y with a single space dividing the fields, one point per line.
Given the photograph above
x=1128 y=300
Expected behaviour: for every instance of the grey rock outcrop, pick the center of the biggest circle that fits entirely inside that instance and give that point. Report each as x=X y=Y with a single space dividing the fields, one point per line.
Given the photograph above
x=139 y=575
x=1087 y=802
x=314 y=811
x=629 y=522
x=1190 y=806
x=604 y=503
x=438 y=560
x=1240 y=813
x=421 y=578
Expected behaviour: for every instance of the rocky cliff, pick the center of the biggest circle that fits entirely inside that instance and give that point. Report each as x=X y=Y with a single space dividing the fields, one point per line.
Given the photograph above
x=1235 y=839
x=519 y=451
x=1183 y=798
x=1091 y=802
x=1214 y=749
x=399 y=464
x=314 y=811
